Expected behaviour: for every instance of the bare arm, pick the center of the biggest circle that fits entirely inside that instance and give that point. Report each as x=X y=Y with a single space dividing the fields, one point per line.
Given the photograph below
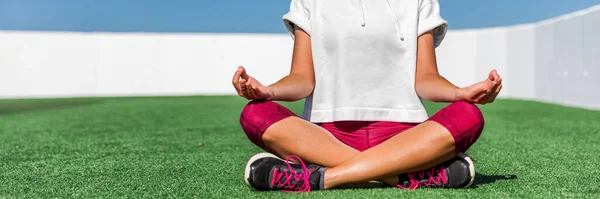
x=301 y=80
x=431 y=86
x=295 y=86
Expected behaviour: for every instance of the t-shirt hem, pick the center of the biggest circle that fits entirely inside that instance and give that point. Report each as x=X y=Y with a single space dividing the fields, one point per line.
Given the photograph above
x=366 y=114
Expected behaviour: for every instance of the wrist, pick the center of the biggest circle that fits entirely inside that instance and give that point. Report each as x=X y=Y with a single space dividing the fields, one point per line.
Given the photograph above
x=457 y=94
x=271 y=92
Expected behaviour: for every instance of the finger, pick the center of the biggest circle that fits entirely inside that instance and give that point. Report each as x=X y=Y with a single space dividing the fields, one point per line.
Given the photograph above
x=490 y=85
x=244 y=94
x=496 y=75
x=481 y=98
x=243 y=87
x=492 y=95
x=247 y=96
x=493 y=83
x=243 y=83
x=251 y=92
x=255 y=86
x=492 y=75
x=482 y=93
x=236 y=79
x=237 y=74
x=495 y=94
x=244 y=75
x=248 y=86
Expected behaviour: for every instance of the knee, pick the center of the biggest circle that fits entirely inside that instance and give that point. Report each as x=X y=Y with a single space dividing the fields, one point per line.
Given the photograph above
x=258 y=115
x=469 y=114
x=250 y=120
x=253 y=114
x=253 y=111
x=469 y=121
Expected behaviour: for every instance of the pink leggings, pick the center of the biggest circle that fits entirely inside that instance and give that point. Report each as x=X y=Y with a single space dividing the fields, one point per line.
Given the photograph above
x=463 y=120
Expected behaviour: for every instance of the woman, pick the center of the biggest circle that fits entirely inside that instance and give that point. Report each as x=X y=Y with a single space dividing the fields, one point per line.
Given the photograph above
x=363 y=67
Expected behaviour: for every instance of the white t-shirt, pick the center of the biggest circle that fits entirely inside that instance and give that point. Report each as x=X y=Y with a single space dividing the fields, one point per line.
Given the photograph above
x=364 y=55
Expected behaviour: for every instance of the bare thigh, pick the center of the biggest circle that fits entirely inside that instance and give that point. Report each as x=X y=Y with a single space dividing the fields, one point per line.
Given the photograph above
x=278 y=130
x=309 y=141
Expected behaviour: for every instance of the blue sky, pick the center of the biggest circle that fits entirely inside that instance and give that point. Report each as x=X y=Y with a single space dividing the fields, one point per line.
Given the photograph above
x=248 y=16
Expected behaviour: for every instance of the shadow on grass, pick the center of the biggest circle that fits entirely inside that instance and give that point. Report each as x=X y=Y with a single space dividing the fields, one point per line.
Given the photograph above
x=27 y=105
x=487 y=179
x=480 y=179
x=367 y=185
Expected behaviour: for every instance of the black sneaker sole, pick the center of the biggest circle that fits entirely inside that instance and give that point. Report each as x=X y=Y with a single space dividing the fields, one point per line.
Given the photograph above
x=471 y=168
x=252 y=159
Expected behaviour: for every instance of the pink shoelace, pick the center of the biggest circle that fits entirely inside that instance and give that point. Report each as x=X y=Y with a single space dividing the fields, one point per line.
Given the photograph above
x=414 y=183
x=290 y=174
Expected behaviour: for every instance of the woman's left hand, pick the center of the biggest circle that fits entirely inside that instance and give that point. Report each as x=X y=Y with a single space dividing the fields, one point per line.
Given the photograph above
x=483 y=92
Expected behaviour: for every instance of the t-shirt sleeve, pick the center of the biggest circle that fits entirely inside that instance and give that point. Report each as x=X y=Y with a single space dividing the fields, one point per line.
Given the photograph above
x=430 y=19
x=298 y=17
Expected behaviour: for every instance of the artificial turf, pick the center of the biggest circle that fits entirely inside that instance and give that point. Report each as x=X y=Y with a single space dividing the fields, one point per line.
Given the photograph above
x=149 y=147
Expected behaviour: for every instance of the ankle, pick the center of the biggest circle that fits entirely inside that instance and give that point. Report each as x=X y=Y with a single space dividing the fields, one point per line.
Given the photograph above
x=329 y=179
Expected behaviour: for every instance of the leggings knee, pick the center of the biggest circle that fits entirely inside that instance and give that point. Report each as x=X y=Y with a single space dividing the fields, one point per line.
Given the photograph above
x=471 y=113
x=464 y=121
x=258 y=115
x=251 y=114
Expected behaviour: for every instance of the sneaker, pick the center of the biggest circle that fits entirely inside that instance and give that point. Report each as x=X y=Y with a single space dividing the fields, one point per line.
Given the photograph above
x=266 y=172
x=459 y=172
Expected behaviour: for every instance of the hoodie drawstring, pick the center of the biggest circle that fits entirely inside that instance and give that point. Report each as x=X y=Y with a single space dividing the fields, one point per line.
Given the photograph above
x=363 y=23
x=395 y=19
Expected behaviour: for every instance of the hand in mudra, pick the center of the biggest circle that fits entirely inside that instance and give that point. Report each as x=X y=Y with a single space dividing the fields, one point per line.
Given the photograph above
x=248 y=87
x=483 y=92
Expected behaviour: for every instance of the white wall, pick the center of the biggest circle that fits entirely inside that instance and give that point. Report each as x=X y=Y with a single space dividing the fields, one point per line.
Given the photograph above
x=557 y=60
x=520 y=62
x=42 y=64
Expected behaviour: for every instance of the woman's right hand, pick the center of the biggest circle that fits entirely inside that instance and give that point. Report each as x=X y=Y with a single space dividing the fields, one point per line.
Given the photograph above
x=248 y=87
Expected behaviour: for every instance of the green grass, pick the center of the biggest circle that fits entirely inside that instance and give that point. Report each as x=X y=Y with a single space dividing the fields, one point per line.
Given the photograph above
x=148 y=147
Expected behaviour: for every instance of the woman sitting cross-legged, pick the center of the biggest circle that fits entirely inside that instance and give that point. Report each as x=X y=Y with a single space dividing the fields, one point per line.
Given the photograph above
x=363 y=68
